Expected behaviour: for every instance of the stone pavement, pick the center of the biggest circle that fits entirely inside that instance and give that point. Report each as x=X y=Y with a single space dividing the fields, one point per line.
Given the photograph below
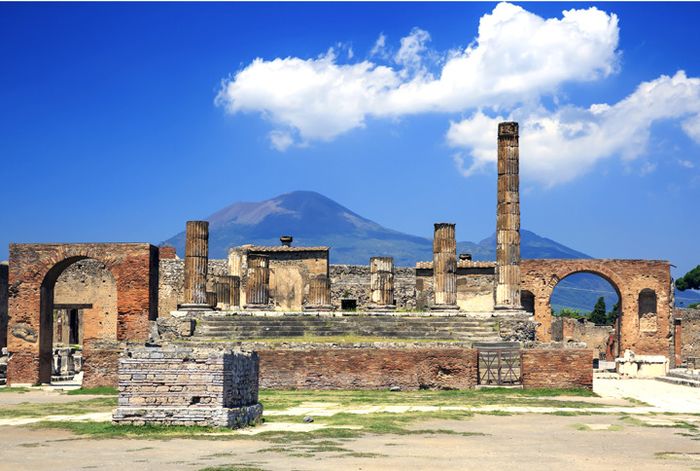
x=662 y=396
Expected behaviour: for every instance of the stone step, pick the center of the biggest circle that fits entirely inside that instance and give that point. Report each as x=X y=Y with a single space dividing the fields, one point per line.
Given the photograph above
x=680 y=381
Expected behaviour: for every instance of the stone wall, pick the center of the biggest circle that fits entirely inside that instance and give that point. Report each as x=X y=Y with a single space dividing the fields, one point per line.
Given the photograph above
x=368 y=367
x=580 y=330
x=87 y=283
x=475 y=285
x=100 y=362
x=410 y=366
x=353 y=282
x=690 y=333
x=3 y=305
x=291 y=269
x=557 y=368
x=171 y=282
x=188 y=386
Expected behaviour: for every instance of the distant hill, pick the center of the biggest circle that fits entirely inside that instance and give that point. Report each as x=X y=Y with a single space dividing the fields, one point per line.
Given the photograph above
x=314 y=219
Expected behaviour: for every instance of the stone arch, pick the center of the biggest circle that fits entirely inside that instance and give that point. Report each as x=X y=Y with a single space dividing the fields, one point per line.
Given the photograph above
x=628 y=277
x=33 y=271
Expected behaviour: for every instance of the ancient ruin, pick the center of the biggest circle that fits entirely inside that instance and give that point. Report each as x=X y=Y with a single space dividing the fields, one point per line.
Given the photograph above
x=188 y=386
x=74 y=307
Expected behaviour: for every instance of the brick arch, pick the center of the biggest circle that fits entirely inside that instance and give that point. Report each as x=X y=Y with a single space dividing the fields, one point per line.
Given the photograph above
x=33 y=271
x=628 y=278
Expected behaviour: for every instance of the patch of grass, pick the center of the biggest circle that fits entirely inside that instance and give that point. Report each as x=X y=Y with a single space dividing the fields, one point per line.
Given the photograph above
x=588 y=428
x=27 y=409
x=96 y=391
x=285 y=399
x=12 y=389
x=636 y=401
x=110 y=430
x=666 y=455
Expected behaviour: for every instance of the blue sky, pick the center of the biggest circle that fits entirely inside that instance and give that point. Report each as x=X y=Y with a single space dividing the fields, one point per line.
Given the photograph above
x=119 y=122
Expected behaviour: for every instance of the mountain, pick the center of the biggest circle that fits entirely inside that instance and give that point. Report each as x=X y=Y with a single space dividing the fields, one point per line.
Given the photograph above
x=314 y=219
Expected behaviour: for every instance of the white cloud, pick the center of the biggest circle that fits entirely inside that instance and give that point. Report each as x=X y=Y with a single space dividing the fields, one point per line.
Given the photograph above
x=516 y=57
x=280 y=140
x=556 y=147
x=686 y=163
x=379 y=49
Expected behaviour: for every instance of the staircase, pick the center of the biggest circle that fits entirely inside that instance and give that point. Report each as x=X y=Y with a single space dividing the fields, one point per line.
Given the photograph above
x=682 y=377
x=237 y=328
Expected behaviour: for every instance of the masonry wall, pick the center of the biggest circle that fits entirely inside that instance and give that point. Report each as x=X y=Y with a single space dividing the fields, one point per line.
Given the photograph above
x=88 y=282
x=368 y=368
x=690 y=334
x=579 y=330
x=353 y=282
x=412 y=367
x=187 y=386
x=557 y=368
x=291 y=268
x=3 y=304
x=475 y=286
x=171 y=282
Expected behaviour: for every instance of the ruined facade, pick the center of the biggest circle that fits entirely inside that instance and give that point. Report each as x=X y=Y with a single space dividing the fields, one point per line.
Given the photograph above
x=33 y=272
x=99 y=296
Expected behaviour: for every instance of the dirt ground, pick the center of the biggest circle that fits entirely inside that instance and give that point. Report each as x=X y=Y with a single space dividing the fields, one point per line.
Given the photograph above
x=645 y=437
x=541 y=442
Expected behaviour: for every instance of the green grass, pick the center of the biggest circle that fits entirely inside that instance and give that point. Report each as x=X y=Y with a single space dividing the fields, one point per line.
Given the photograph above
x=280 y=400
x=96 y=391
x=232 y=467
x=11 y=389
x=27 y=409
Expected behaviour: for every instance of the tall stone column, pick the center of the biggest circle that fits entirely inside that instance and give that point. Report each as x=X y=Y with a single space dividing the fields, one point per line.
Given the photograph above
x=319 y=294
x=381 y=281
x=196 y=262
x=445 y=267
x=508 y=219
x=258 y=282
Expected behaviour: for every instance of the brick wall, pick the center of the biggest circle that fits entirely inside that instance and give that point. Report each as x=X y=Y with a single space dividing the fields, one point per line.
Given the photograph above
x=3 y=305
x=690 y=332
x=100 y=360
x=557 y=368
x=368 y=368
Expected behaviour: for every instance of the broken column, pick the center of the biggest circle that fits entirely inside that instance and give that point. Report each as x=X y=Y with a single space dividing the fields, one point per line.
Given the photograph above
x=234 y=289
x=223 y=293
x=319 y=294
x=381 y=282
x=445 y=267
x=258 y=282
x=196 y=262
x=508 y=219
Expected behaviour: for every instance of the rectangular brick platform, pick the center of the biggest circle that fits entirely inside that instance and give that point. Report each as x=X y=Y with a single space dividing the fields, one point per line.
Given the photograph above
x=188 y=386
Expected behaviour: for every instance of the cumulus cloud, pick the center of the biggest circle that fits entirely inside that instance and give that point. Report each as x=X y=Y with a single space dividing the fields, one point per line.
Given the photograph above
x=516 y=56
x=280 y=140
x=558 y=146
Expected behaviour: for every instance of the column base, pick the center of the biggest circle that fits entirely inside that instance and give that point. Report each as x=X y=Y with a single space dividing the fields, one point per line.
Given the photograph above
x=194 y=307
x=259 y=307
x=444 y=307
x=381 y=307
x=322 y=308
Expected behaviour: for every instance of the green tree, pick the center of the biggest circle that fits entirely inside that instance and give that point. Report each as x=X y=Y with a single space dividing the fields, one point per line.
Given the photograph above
x=568 y=312
x=599 y=315
x=614 y=313
x=690 y=280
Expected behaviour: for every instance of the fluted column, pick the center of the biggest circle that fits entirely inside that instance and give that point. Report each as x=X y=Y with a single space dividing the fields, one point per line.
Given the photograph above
x=223 y=292
x=381 y=272
x=196 y=261
x=508 y=219
x=211 y=299
x=258 y=282
x=445 y=267
x=234 y=289
x=319 y=298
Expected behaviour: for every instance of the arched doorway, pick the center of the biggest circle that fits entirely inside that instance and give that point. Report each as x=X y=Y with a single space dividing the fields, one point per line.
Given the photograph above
x=83 y=308
x=586 y=307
